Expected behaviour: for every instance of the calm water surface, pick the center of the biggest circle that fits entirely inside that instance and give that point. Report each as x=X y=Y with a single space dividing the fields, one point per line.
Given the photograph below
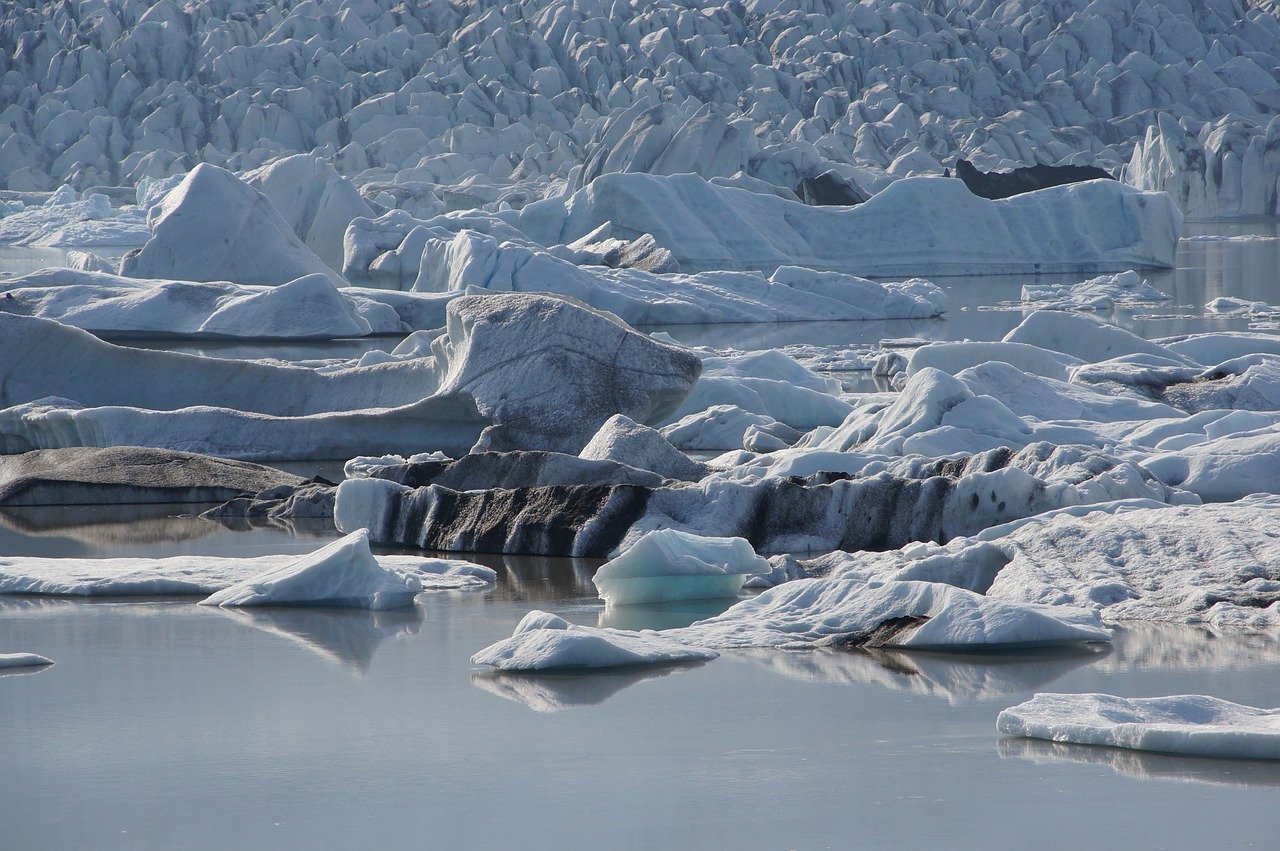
x=164 y=724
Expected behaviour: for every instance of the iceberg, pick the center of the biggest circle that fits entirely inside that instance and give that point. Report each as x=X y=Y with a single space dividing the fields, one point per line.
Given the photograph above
x=308 y=308
x=854 y=612
x=214 y=227
x=667 y=565
x=343 y=574
x=129 y=475
x=1190 y=724
x=543 y=641
x=1097 y=225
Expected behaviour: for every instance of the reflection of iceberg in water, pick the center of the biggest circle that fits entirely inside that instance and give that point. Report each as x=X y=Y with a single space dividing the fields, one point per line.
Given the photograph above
x=663 y=615
x=1185 y=647
x=1144 y=765
x=551 y=692
x=108 y=525
x=956 y=677
x=347 y=636
x=530 y=578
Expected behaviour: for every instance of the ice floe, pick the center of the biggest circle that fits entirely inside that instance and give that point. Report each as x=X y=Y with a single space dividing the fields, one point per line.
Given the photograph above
x=543 y=641
x=1191 y=724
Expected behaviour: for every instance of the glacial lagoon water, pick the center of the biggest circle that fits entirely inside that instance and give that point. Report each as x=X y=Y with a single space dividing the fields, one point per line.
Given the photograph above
x=164 y=724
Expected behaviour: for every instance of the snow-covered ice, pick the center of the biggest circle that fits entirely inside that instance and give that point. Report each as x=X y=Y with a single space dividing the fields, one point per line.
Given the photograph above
x=543 y=641
x=1190 y=724
x=668 y=565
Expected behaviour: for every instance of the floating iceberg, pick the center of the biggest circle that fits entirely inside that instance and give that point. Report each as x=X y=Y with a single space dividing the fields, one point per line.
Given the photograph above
x=854 y=612
x=542 y=641
x=667 y=565
x=343 y=574
x=1191 y=724
x=923 y=499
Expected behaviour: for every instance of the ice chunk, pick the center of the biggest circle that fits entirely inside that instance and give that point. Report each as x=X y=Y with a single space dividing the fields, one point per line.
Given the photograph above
x=343 y=574
x=1190 y=724
x=543 y=641
x=668 y=565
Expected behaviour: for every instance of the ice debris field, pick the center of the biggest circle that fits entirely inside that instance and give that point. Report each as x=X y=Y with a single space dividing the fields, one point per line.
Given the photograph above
x=500 y=201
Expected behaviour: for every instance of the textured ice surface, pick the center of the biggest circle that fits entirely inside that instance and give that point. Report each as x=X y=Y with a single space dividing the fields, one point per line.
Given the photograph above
x=543 y=641
x=853 y=612
x=1102 y=293
x=1191 y=724
x=667 y=565
x=342 y=574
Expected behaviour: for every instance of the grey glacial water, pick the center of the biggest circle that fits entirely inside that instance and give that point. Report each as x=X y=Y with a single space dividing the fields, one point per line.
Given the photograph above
x=163 y=724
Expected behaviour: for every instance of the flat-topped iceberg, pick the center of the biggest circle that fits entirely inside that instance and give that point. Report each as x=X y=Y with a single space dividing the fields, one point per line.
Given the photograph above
x=915 y=226
x=1189 y=724
x=789 y=294
x=667 y=565
x=543 y=641
x=343 y=574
